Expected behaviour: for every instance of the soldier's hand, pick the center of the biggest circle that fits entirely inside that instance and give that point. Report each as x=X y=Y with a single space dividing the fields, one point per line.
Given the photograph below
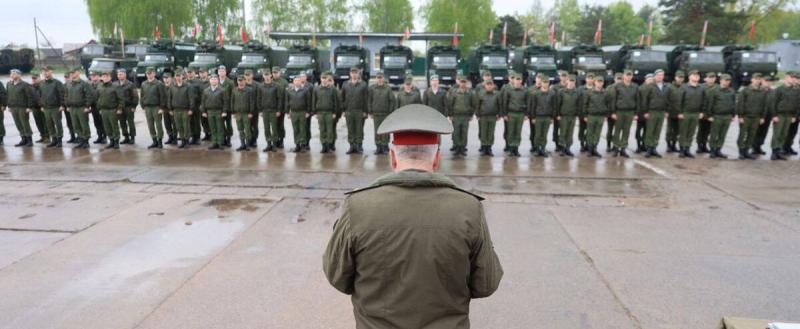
x=249 y=115
x=776 y=119
x=505 y=118
x=710 y=119
x=205 y=115
x=224 y=114
x=646 y=116
x=308 y=115
x=585 y=119
x=333 y=116
x=87 y=110
x=680 y=116
x=761 y=121
x=635 y=117
x=614 y=116
x=119 y=112
x=794 y=120
x=741 y=120
x=189 y=113
x=533 y=120
x=277 y=114
x=701 y=116
x=28 y=110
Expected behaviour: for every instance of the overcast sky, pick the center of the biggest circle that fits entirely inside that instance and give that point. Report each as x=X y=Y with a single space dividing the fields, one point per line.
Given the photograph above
x=68 y=21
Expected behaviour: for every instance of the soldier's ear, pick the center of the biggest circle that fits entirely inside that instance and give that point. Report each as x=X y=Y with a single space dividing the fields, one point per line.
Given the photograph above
x=393 y=158
x=437 y=160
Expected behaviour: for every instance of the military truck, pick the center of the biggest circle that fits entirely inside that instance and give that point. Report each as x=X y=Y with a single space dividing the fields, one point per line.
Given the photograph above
x=535 y=59
x=22 y=59
x=741 y=61
x=165 y=55
x=210 y=55
x=582 y=60
x=256 y=57
x=91 y=51
x=443 y=61
x=692 y=57
x=641 y=60
x=346 y=57
x=396 y=63
x=111 y=65
x=489 y=58
x=306 y=59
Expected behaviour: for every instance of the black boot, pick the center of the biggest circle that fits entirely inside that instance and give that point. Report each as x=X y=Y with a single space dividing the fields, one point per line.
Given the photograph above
x=742 y=153
x=242 y=145
x=1 y=140
x=359 y=148
x=789 y=150
x=253 y=143
x=568 y=152
x=101 y=139
x=514 y=151
x=126 y=140
x=324 y=149
x=713 y=153
x=268 y=148
x=215 y=147
x=59 y=142
x=298 y=148
x=154 y=145
x=687 y=153
x=489 y=150
x=776 y=155
x=624 y=153
x=757 y=150
x=720 y=154
x=53 y=142
x=22 y=141
x=195 y=140
x=206 y=137
x=72 y=139
x=352 y=149
x=748 y=156
x=593 y=151
x=85 y=144
x=28 y=142
x=651 y=152
x=184 y=144
x=78 y=143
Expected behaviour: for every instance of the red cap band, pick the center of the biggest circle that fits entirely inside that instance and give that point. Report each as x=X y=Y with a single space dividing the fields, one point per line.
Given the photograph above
x=415 y=138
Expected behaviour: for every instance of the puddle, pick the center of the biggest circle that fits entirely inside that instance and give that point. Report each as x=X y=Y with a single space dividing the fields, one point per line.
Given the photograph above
x=228 y=205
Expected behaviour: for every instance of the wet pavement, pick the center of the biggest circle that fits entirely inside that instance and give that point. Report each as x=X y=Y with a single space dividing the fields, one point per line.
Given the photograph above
x=137 y=238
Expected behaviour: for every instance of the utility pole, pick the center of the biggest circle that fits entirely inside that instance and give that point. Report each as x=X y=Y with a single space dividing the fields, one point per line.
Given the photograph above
x=36 y=36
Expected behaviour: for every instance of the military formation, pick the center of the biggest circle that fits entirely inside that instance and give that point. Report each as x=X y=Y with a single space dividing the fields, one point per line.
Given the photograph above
x=196 y=106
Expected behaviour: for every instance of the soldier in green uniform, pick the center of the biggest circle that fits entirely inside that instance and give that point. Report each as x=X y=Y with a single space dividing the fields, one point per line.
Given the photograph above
x=582 y=118
x=408 y=94
x=51 y=97
x=655 y=106
x=97 y=118
x=79 y=98
x=612 y=121
x=597 y=106
x=503 y=91
x=784 y=113
x=789 y=141
x=692 y=109
x=283 y=84
x=488 y=112
x=21 y=100
x=355 y=99
x=170 y=129
x=381 y=103
x=268 y=102
x=641 y=121
x=130 y=98
x=487 y=77
x=250 y=82
x=325 y=105
x=567 y=108
x=542 y=107
x=563 y=78
x=154 y=102
x=195 y=120
x=515 y=110
x=298 y=105
x=704 y=125
x=389 y=275
x=181 y=106
x=761 y=134
x=227 y=85
x=38 y=113
x=243 y=110
x=215 y=106
x=110 y=103
x=201 y=86
x=461 y=102
x=624 y=109
x=67 y=117
x=721 y=109
x=435 y=96
x=3 y=102
x=673 y=122
x=751 y=107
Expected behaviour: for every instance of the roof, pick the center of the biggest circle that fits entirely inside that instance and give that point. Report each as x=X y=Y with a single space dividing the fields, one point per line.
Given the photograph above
x=329 y=35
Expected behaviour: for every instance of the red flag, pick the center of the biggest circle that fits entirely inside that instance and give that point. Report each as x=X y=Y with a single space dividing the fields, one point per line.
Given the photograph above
x=752 y=33
x=243 y=32
x=650 y=32
x=171 y=32
x=505 y=29
x=703 y=37
x=406 y=34
x=641 y=39
x=552 y=34
x=455 y=35
x=196 y=30
x=220 y=38
x=598 y=35
x=157 y=33
x=491 y=35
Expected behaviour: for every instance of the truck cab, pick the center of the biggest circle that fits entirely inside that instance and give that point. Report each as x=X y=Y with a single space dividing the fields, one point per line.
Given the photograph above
x=443 y=61
x=396 y=63
x=209 y=56
x=582 y=60
x=165 y=55
x=741 y=62
x=303 y=59
x=693 y=57
x=641 y=60
x=537 y=59
x=111 y=65
x=489 y=58
x=255 y=56
x=346 y=57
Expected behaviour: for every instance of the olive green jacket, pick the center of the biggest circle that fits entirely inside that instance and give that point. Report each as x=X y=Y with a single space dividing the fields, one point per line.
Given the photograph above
x=214 y=100
x=381 y=100
x=407 y=98
x=355 y=96
x=109 y=96
x=488 y=103
x=269 y=97
x=412 y=267
x=326 y=99
x=721 y=101
x=242 y=101
x=461 y=103
x=597 y=103
x=51 y=93
x=515 y=100
x=787 y=101
x=20 y=95
x=692 y=99
x=153 y=94
x=130 y=97
x=624 y=98
x=79 y=94
x=437 y=100
x=568 y=102
x=181 y=98
x=752 y=102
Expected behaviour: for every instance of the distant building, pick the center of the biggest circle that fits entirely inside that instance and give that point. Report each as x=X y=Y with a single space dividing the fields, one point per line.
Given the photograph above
x=788 y=52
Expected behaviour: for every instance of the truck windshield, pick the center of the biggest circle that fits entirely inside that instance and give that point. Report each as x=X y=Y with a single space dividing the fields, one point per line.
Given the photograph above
x=155 y=58
x=590 y=60
x=758 y=57
x=705 y=57
x=205 y=58
x=343 y=61
x=299 y=61
x=536 y=60
x=102 y=65
x=93 y=50
x=648 y=56
x=445 y=62
x=494 y=61
x=253 y=59
x=394 y=61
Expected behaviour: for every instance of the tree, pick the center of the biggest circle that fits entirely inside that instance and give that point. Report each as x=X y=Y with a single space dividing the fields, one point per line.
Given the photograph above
x=536 y=23
x=621 y=25
x=566 y=14
x=683 y=21
x=300 y=15
x=138 y=19
x=209 y=14
x=474 y=17
x=514 y=30
x=388 y=15
x=648 y=12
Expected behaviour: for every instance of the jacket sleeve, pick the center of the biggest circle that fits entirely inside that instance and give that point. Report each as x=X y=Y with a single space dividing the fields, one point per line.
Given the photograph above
x=338 y=262
x=740 y=99
x=612 y=92
x=485 y=269
x=3 y=96
x=163 y=95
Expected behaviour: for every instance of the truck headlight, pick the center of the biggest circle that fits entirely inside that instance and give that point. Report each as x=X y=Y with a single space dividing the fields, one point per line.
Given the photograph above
x=744 y=74
x=635 y=71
